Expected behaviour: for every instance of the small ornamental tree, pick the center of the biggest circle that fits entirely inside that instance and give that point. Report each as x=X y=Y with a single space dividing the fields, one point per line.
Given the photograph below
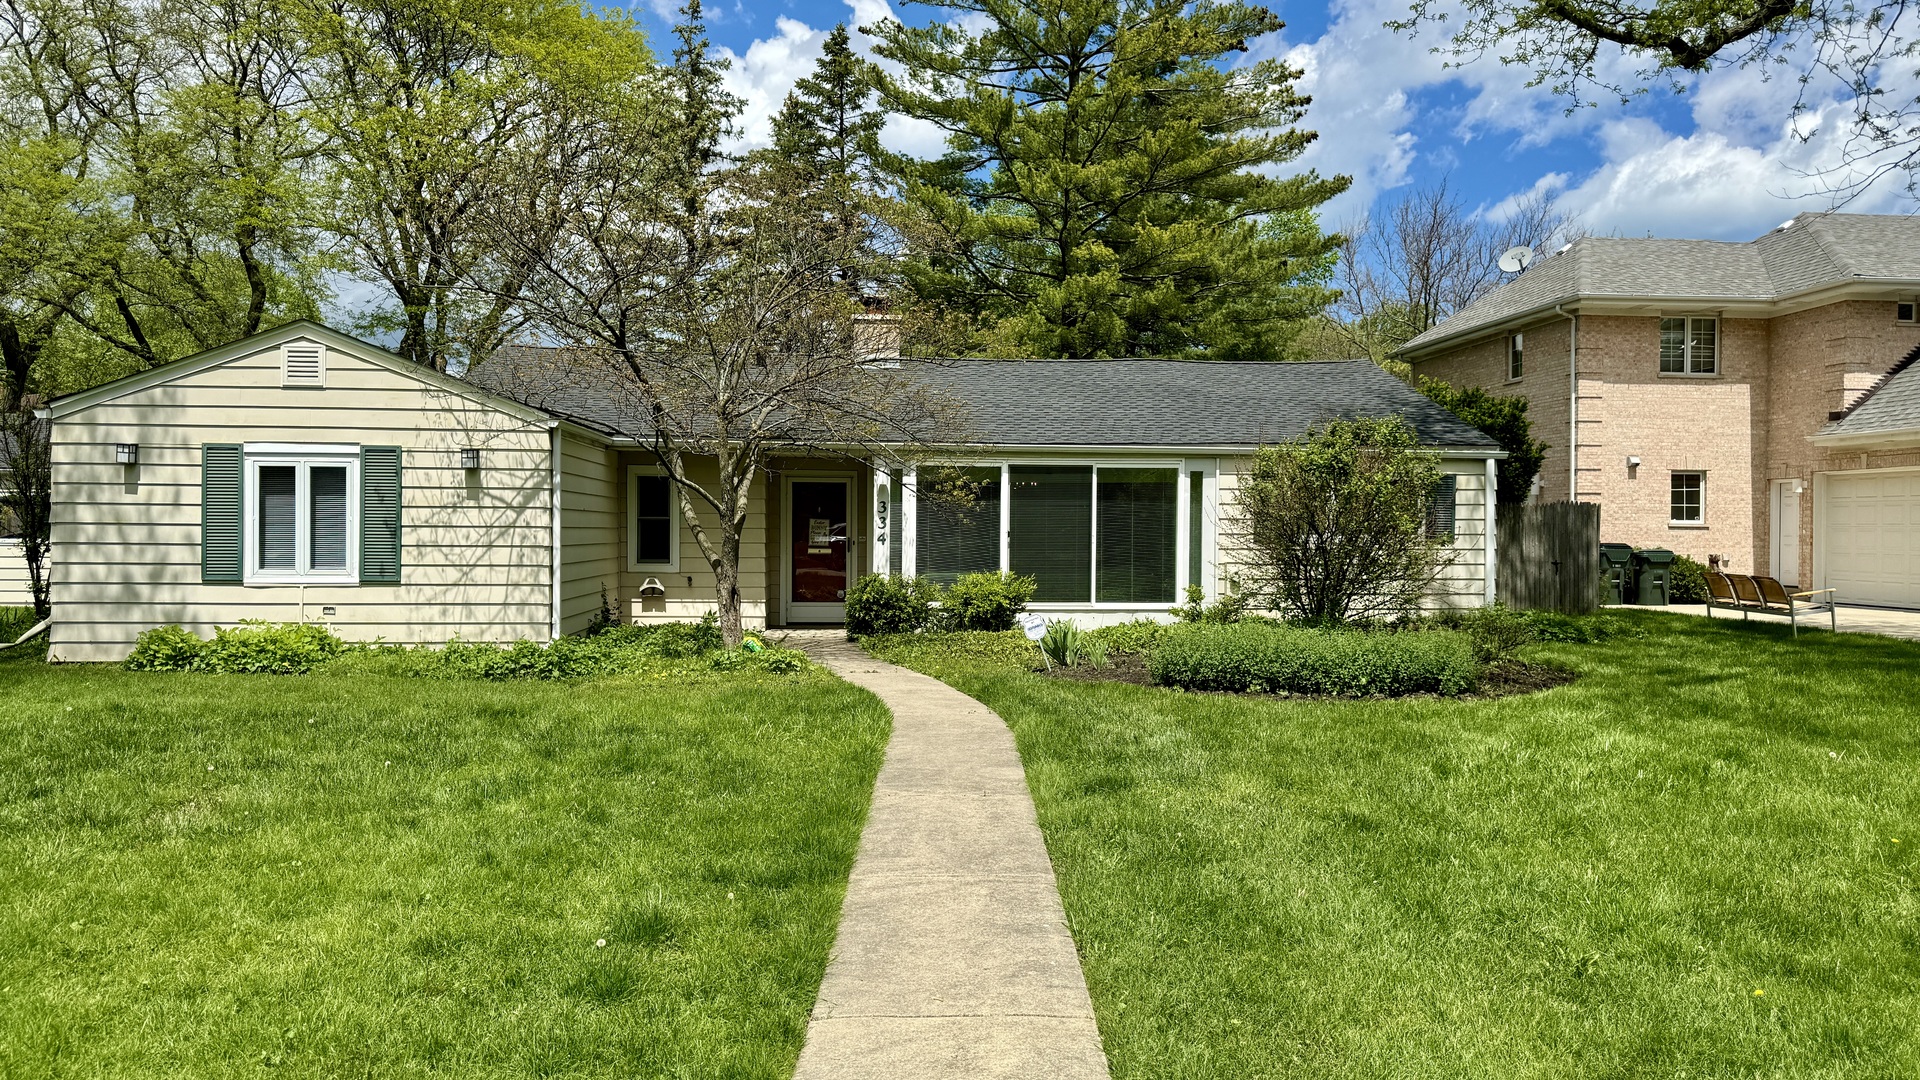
x=1502 y=419
x=1333 y=525
x=26 y=493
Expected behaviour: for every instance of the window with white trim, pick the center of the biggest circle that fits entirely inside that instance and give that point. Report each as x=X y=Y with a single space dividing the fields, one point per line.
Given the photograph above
x=1904 y=311
x=1689 y=346
x=654 y=520
x=1687 y=502
x=1094 y=533
x=1515 y=349
x=303 y=515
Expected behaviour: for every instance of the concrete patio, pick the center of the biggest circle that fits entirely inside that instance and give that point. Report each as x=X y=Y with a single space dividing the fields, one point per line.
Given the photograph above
x=1889 y=622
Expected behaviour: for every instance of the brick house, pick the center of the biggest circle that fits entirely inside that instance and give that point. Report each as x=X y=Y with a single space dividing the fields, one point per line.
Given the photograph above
x=1758 y=401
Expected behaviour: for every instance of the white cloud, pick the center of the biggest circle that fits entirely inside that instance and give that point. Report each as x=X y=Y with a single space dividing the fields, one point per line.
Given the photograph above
x=763 y=77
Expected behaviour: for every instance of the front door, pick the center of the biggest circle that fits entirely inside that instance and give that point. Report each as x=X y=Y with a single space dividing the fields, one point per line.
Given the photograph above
x=1786 y=533
x=817 y=549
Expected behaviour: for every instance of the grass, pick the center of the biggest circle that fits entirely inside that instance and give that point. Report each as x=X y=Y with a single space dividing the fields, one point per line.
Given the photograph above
x=245 y=876
x=15 y=621
x=1682 y=865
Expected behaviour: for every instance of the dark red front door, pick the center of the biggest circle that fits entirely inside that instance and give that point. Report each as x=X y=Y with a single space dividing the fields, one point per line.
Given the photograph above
x=818 y=530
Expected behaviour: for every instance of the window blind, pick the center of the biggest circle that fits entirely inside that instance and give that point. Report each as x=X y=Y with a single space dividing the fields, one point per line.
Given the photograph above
x=1196 y=534
x=277 y=515
x=1052 y=530
x=653 y=519
x=220 y=514
x=1137 y=541
x=327 y=498
x=896 y=528
x=958 y=531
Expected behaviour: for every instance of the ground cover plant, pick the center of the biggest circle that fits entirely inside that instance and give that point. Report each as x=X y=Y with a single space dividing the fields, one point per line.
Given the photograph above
x=358 y=875
x=15 y=621
x=1696 y=860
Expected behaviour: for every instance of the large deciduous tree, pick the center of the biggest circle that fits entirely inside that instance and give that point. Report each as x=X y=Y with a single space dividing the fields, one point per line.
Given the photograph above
x=708 y=303
x=1108 y=186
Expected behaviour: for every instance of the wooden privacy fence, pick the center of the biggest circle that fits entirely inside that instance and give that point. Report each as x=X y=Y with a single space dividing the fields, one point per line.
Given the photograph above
x=1549 y=557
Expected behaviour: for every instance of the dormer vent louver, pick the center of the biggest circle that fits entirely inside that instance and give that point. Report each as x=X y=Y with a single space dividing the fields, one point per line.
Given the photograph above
x=303 y=363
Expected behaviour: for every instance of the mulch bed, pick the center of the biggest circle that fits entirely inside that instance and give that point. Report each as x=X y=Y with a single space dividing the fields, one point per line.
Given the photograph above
x=1505 y=679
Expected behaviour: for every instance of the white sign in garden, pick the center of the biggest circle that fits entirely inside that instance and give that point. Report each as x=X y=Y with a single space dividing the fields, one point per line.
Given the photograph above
x=1034 y=625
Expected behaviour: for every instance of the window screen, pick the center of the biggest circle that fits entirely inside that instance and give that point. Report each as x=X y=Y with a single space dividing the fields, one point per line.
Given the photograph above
x=958 y=531
x=1689 y=346
x=1514 y=356
x=652 y=519
x=1052 y=530
x=327 y=495
x=1137 y=538
x=896 y=528
x=277 y=516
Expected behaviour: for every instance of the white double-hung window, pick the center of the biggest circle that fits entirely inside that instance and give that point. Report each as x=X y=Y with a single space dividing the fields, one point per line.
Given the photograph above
x=302 y=514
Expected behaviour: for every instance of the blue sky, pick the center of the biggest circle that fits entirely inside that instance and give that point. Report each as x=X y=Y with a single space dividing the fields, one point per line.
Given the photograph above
x=1717 y=162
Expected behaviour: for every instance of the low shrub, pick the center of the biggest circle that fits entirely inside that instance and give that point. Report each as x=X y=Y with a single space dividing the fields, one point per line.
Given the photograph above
x=1582 y=629
x=1686 y=581
x=1264 y=658
x=1227 y=609
x=165 y=648
x=1136 y=638
x=970 y=650
x=1497 y=631
x=879 y=604
x=1067 y=645
x=252 y=648
x=986 y=602
x=668 y=640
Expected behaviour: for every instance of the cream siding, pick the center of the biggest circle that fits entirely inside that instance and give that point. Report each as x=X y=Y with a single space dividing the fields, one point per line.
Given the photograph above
x=690 y=590
x=1463 y=581
x=16 y=589
x=591 y=493
x=476 y=546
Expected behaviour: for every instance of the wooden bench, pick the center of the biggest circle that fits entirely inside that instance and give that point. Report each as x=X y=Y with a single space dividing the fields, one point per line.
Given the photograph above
x=1749 y=593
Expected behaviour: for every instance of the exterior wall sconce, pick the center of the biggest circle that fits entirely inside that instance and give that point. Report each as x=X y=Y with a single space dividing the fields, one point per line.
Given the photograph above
x=470 y=457
x=127 y=453
x=652 y=587
x=1799 y=486
x=1633 y=462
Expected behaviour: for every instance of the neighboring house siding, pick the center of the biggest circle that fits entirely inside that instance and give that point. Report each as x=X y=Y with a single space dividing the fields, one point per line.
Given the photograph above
x=1463 y=581
x=590 y=501
x=16 y=590
x=690 y=590
x=476 y=546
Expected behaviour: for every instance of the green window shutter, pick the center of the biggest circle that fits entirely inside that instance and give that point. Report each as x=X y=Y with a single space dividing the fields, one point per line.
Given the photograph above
x=1440 y=504
x=220 y=513
x=380 y=515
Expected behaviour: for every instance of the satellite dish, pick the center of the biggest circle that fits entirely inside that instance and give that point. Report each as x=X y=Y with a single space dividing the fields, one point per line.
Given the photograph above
x=1515 y=259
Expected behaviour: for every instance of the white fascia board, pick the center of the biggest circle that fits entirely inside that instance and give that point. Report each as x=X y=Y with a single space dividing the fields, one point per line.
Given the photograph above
x=1893 y=439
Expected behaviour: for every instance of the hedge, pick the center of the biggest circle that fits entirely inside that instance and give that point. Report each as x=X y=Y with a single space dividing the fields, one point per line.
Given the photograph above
x=1272 y=659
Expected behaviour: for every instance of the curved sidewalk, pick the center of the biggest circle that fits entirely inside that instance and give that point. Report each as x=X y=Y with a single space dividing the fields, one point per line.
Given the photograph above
x=953 y=958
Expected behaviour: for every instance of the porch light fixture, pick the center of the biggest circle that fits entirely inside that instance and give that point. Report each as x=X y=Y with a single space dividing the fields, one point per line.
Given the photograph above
x=470 y=457
x=1633 y=462
x=127 y=453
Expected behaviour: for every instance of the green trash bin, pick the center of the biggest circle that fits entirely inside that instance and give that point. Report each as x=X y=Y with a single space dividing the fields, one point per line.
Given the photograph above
x=1616 y=573
x=1651 y=569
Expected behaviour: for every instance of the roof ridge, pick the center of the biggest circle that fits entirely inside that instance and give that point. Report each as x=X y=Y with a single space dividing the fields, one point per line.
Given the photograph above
x=1912 y=357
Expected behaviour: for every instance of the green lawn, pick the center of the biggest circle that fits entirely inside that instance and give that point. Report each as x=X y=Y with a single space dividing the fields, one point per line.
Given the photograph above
x=247 y=876
x=1696 y=861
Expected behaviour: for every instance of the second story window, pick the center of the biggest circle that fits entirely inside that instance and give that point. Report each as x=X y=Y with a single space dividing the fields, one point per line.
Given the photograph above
x=1689 y=346
x=1514 y=356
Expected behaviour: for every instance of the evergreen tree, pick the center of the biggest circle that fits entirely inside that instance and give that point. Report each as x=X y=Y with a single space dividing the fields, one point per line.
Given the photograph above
x=1105 y=189
x=824 y=140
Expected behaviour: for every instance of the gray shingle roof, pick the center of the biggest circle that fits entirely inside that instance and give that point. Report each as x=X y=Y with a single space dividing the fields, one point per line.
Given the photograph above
x=1171 y=403
x=1811 y=251
x=1892 y=405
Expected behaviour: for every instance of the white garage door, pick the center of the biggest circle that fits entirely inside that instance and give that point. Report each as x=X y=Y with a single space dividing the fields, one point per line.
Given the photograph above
x=1873 y=538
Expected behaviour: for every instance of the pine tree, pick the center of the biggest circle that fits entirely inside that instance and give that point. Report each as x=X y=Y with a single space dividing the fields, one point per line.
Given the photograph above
x=824 y=140
x=1105 y=190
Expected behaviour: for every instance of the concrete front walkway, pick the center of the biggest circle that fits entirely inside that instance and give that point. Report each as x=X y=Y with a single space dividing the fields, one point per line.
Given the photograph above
x=1888 y=622
x=953 y=960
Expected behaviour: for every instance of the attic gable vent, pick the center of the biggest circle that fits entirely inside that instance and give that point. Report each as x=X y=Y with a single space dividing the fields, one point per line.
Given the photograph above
x=303 y=363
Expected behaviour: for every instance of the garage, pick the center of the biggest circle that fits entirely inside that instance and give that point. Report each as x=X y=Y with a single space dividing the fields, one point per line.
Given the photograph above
x=1872 y=537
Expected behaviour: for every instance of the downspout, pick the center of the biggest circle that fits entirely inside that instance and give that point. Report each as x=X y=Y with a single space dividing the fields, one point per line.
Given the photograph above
x=553 y=504
x=1573 y=404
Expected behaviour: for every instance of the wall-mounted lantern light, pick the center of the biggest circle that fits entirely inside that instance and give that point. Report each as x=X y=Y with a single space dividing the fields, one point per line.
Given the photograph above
x=127 y=453
x=470 y=457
